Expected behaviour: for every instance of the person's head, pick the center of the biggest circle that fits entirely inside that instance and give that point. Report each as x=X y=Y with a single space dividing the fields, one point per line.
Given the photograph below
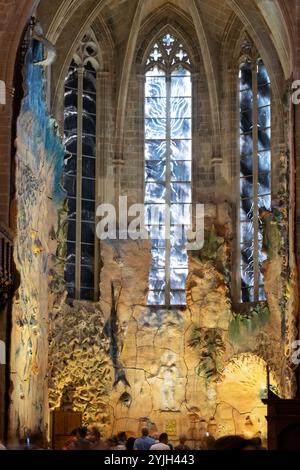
x=122 y=436
x=235 y=443
x=163 y=438
x=94 y=434
x=130 y=443
x=145 y=432
x=182 y=439
x=112 y=442
x=81 y=433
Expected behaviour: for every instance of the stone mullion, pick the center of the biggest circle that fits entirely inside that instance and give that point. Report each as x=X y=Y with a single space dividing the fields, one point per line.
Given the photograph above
x=141 y=136
x=100 y=160
x=195 y=120
x=168 y=194
x=79 y=183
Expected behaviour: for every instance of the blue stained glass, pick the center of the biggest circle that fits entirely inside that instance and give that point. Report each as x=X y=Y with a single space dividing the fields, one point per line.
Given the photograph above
x=264 y=117
x=181 y=192
x=156 y=298
x=155 y=128
x=155 y=214
x=246 y=100
x=264 y=96
x=69 y=273
x=155 y=171
x=87 y=294
x=154 y=193
x=88 y=189
x=87 y=276
x=179 y=258
x=157 y=236
x=178 y=278
x=71 y=143
x=89 y=103
x=181 y=128
x=155 y=107
x=180 y=214
x=246 y=144
x=246 y=121
x=246 y=187
x=246 y=165
x=181 y=108
x=71 y=231
x=181 y=150
x=246 y=229
x=72 y=209
x=177 y=297
x=264 y=162
x=89 y=82
x=87 y=254
x=265 y=202
x=181 y=171
x=181 y=72
x=155 y=150
x=264 y=183
x=70 y=165
x=181 y=87
x=88 y=233
x=247 y=294
x=264 y=139
x=247 y=253
x=88 y=124
x=71 y=99
x=178 y=236
x=262 y=76
x=89 y=146
x=261 y=255
x=158 y=159
x=247 y=275
x=88 y=167
x=157 y=279
x=155 y=87
x=71 y=80
x=88 y=211
x=262 y=295
x=70 y=185
x=71 y=120
x=158 y=258
x=246 y=76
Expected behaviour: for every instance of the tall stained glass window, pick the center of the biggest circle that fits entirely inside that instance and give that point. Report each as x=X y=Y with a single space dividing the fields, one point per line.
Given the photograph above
x=168 y=158
x=80 y=172
x=255 y=174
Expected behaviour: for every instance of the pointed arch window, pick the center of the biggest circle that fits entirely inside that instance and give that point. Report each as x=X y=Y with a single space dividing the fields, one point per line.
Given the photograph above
x=255 y=174
x=168 y=167
x=80 y=121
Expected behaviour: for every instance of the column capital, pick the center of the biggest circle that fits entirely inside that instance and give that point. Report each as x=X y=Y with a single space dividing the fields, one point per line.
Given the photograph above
x=118 y=162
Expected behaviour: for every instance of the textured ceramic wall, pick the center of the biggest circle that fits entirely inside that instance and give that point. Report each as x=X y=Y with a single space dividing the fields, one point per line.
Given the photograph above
x=39 y=196
x=191 y=370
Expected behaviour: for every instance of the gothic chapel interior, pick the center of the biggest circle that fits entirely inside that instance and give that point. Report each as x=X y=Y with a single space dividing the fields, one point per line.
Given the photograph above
x=150 y=217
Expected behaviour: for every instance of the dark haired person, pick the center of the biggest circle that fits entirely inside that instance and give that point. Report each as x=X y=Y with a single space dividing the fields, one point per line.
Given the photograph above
x=81 y=442
x=163 y=443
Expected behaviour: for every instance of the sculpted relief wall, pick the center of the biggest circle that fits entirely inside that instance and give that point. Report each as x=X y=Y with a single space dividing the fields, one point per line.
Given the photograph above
x=122 y=363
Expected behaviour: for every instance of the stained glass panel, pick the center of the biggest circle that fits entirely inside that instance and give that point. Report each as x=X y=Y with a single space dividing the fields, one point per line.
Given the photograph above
x=255 y=175
x=81 y=212
x=168 y=154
